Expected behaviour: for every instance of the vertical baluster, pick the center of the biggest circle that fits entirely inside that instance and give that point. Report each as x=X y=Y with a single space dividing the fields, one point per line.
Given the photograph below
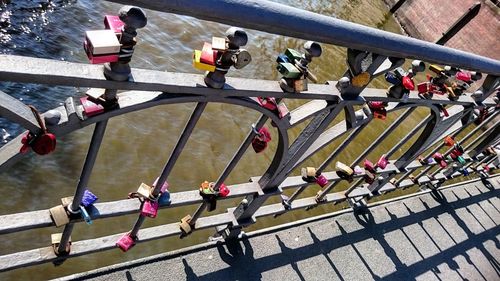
x=95 y=144
x=188 y=129
x=382 y=137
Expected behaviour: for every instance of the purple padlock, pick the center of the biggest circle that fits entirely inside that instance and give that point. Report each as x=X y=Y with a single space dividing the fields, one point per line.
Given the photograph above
x=88 y=198
x=321 y=180
x=126 y=242
x=150 y=208
x=382 y=162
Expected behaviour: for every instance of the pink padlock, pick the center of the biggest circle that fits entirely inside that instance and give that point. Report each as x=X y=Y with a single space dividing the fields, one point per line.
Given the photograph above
x=369 y=165
x=164 y=186
x=382 y=162
x=268 y=102
x=463 y=76
x=150 y=208
x=126 y=242
x=321 y=180
x=223 y=190
x=114 y=23
x=438 y=157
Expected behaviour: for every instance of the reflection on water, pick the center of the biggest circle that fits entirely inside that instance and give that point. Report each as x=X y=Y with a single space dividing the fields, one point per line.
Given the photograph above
x=137 y=145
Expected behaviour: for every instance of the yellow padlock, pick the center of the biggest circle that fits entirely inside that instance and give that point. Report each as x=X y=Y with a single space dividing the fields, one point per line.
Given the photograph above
x=361 y=79
x=199 y=65
x=300 y=85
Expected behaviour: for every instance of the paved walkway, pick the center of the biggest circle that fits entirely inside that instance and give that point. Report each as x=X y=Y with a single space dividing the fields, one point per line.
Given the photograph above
x=450 y=235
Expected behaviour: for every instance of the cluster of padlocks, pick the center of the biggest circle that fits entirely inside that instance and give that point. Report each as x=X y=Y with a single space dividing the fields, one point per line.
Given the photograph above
x=114 y=46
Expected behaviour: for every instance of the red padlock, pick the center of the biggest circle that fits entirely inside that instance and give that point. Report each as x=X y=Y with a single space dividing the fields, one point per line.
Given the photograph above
x=262 y=137
x=208 y=55
x=408 y=83
x=380 y=114
x=376 y=104
x=126 y=242
x=42 y=144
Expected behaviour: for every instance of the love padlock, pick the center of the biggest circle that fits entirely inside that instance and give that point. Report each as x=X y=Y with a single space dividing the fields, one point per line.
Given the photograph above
x=369 y=177
x=126 y=242
x=85 y=215
x=41 y=144
x=382 y=162
x=268 y=103
x=321 y=180
x=408 y=83
x=438 y=157
x=463 y=76
x=392 y=78
x=449 y=141
x=91 y=108
x=358 y=170
x=88 y=198
x=149 y=208
x=343 y=171
x=361 y=79
x=59 y=215
x=101 y=46
x=261 y=139
x=185 y=225
x=464 y=172
x=282 y=110
x=422 y=160
x=308 y=174
x=368 y=165
x=56 y=240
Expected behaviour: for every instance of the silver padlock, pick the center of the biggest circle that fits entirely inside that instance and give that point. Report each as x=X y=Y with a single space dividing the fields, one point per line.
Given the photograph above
x=241 y=59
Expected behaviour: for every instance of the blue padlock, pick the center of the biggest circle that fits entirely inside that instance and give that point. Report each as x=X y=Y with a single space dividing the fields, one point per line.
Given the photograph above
x=164 y=199
x=392 y=78
x=88 y=198
x=282 y=58
x=465 y=172
x=85 y=215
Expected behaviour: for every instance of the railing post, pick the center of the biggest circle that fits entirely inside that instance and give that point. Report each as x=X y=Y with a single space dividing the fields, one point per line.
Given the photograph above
x=95 y=144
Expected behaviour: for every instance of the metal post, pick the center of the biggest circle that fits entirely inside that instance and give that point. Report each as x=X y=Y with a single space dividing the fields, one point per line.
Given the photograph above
x=95 y=144
x=188 y=129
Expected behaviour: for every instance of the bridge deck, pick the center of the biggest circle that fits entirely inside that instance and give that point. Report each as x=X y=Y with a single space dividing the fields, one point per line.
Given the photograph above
x=450 y=235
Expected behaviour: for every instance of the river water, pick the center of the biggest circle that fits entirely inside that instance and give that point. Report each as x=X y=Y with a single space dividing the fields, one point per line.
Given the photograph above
x=137 y=145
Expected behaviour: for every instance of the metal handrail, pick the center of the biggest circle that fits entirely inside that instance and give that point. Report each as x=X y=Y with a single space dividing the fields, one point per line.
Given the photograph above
x=280 y=19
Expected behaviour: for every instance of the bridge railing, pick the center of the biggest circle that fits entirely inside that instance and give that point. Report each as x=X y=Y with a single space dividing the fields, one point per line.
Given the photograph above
x=148 y=88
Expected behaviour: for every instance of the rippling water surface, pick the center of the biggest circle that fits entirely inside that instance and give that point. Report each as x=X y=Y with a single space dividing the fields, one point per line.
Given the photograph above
x=137 y=145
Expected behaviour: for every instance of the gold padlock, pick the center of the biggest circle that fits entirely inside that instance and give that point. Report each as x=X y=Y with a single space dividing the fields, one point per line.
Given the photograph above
x=300 y=85
x=56 y=240
x=59 y=215
x=344 y=168
x=361 y=79
x=311 y=171
x=185 y=224
x=393 y=181
x=144 y=190
x=412 y=178
x=436 y=69
x=66 y=201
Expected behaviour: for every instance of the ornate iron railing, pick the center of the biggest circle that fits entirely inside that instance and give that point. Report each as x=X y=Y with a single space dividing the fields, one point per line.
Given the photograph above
x=372 y=51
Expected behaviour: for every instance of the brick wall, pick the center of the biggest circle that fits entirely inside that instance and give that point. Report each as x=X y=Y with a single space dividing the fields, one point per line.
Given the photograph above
x=428 y=19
